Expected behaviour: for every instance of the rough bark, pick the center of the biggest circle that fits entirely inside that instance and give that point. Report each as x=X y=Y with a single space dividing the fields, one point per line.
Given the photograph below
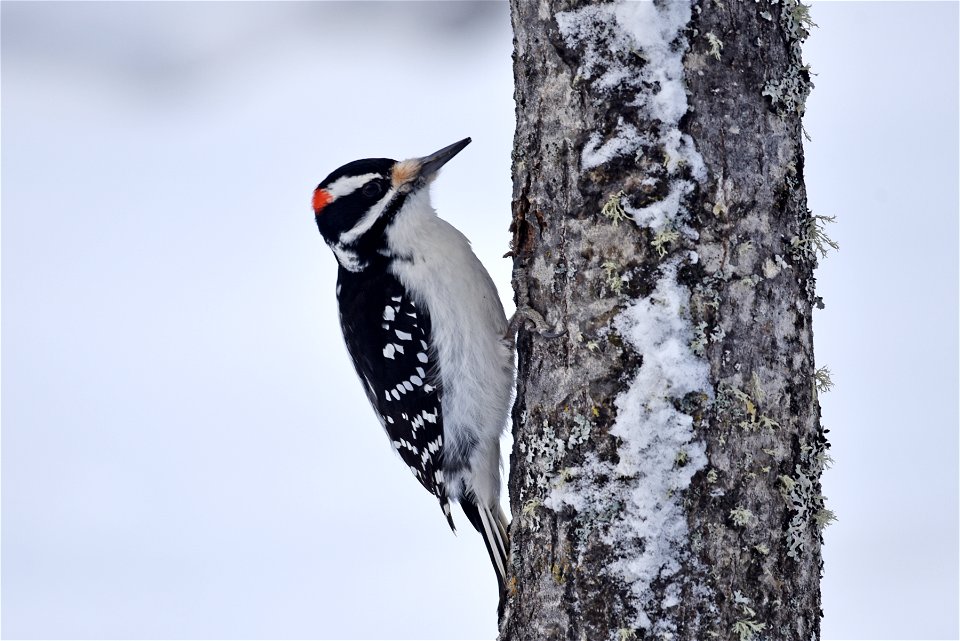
x=749 y=561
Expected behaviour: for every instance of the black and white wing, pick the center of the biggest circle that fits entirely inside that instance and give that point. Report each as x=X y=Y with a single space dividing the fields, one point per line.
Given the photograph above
x=388 y=338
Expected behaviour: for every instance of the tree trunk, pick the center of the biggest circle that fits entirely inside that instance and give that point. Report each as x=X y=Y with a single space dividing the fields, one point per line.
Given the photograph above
x=668 y=448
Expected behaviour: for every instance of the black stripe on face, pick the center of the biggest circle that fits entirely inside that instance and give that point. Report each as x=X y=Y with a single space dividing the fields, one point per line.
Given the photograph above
x=347 y=210
x=381 y=166
x=340 y=218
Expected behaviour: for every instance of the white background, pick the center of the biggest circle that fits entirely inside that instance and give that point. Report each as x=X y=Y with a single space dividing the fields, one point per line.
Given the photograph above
x=185 y=449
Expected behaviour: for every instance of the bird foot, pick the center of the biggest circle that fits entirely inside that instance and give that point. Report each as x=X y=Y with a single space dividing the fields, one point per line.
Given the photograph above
x=528 y=318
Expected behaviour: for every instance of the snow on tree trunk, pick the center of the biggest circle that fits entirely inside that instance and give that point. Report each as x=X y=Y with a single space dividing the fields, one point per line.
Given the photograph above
x=668 y=449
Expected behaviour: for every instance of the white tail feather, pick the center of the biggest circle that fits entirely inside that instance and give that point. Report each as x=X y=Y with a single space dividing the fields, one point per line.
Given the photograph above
x=491 y=532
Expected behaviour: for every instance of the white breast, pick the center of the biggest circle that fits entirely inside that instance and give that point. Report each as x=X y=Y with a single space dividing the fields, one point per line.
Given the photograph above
x=468 y=327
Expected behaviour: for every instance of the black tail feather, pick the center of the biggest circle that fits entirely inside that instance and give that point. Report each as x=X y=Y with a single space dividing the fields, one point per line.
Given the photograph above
x=492 y=528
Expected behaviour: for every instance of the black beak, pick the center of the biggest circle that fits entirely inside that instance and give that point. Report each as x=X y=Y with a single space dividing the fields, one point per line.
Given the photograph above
x=429 y=165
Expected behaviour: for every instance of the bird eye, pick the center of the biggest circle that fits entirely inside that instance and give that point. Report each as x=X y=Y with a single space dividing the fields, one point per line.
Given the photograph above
x=371 y=189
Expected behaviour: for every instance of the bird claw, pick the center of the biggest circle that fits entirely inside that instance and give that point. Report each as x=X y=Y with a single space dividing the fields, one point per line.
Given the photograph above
x=527 y=315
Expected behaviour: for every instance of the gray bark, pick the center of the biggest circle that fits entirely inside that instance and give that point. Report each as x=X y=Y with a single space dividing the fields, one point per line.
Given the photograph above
x=749 y=560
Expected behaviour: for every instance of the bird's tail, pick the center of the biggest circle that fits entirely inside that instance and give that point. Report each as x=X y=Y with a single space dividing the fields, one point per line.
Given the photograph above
x=491 y=523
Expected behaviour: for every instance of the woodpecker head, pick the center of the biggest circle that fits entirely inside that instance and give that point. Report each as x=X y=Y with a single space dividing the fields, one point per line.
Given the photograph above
x=356 y=204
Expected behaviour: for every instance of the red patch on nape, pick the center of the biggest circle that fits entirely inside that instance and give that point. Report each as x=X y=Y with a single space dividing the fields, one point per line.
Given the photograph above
x=321 y=198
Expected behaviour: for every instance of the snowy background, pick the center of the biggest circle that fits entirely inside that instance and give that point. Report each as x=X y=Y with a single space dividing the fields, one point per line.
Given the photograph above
x=185 y=450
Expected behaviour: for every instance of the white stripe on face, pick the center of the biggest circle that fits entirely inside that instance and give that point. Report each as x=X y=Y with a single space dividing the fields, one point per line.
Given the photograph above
x=347 y=185
x=349 y=259
x=365 y=223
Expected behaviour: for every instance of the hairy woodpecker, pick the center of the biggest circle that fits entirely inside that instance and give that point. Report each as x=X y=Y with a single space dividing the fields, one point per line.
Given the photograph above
x=426 y=331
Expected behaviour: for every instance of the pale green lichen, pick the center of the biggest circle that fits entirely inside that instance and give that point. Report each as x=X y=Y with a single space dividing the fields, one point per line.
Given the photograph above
x=748 y=626
x=701 y=339
x=786 y=486
x=822 y=381
x=716 y=44
x=528 y=514
x=746 y=629
x=626 y=634
x=773 y=266
x=788 y=93
x=613 y=209
x=612 y=276
x=800 y=15
x=824 y=517
x=813 y=238
x=757 y=387
x=764 y=422
x=671 y=163
x=580 y=432
x=741 y=516
x=530 y=507
x=717 y=335
x=663 y=238
x=804 y=498
x=753 y=419
x=542 y=452
x=699 y=342
x=707 y=292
